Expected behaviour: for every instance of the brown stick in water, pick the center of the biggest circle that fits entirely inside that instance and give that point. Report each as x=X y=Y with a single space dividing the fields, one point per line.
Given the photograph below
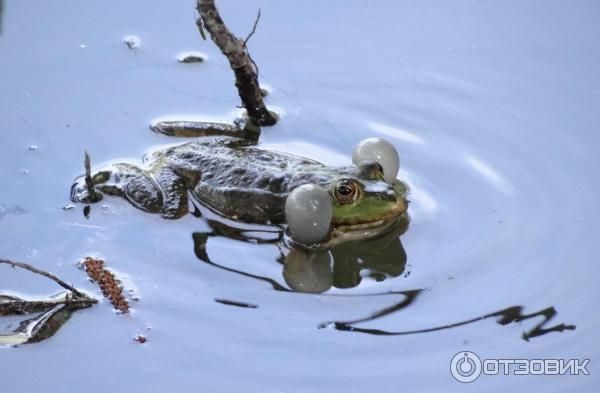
x=244 y=68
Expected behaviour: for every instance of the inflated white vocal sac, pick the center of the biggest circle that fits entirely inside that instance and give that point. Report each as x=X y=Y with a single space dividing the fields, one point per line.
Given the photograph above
x=308 y=213
x=380 y=151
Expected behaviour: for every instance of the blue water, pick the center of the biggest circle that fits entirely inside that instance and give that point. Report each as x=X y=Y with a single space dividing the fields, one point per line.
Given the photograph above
x=492 y=106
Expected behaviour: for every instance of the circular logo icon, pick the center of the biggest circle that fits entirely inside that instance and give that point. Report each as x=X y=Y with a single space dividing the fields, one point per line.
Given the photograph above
x=465 y=367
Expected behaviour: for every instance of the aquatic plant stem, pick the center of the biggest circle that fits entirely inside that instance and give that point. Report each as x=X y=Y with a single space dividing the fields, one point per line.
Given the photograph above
x=244 y=68
x=89 y=184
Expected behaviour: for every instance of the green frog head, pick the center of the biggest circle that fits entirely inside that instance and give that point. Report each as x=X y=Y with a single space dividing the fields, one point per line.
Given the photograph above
x=365 y=199
x=357 y=205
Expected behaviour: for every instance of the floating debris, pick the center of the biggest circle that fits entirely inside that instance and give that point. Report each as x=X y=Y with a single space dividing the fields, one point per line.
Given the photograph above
x=110 y=286
x=33 y=147
x=86 y=211
x=68 y=206
x=140 y=339
x=236 y=303
x=191 y=57
x=132 y=41
x=52 y=311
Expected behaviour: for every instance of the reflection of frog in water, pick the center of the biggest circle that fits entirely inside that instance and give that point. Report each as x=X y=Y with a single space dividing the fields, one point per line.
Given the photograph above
x=346 y=264
x=233 y=177
x=316 y=269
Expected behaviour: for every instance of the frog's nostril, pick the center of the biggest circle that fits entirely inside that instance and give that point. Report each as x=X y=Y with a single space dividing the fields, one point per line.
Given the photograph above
x=369 y=170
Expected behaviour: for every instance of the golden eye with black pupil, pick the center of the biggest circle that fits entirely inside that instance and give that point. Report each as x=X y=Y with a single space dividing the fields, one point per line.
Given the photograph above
x=345 y=191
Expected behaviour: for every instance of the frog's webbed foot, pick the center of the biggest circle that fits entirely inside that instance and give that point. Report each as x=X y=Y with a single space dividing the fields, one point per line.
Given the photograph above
x=243 y=129
x=80 y=192
x=125 y=180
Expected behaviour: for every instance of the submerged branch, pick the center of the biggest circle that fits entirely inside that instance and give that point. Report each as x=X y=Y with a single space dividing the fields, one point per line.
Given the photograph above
x=246 y=76
x=12 y=305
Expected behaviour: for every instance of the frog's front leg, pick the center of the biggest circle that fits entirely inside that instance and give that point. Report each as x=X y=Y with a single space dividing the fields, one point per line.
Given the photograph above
x=128 y=181
x=174 y=183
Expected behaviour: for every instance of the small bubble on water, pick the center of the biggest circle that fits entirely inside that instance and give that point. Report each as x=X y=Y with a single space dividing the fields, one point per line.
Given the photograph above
x=33 y=147
x=132 y=41
x=68 y=207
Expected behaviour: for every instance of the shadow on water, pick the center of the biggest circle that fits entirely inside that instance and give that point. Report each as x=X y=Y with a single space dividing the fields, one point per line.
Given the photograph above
x=344 y=266
x=505 y=316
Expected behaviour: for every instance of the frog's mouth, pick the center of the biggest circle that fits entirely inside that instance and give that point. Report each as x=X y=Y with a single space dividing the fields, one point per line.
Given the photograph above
x=349 y=225
x=342 y=233
x=358 y=231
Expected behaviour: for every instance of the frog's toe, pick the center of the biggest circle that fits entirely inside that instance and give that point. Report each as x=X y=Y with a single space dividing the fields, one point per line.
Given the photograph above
x=81 y=194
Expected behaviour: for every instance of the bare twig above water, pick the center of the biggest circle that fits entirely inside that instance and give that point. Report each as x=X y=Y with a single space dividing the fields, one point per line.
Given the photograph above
x=244 y=68
x=253 y=28
x=52 y=277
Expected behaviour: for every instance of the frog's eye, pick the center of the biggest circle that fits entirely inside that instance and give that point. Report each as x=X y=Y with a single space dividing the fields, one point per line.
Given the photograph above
x=345 y=191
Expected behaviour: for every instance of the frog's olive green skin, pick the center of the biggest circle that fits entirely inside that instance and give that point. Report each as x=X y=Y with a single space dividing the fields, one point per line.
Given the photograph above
x=243 y=182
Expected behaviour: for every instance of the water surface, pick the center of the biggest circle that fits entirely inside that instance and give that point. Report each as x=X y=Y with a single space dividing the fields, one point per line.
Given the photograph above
x=492 y=106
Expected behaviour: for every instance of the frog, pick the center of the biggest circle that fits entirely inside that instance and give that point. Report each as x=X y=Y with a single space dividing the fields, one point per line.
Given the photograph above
x=228 y=172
